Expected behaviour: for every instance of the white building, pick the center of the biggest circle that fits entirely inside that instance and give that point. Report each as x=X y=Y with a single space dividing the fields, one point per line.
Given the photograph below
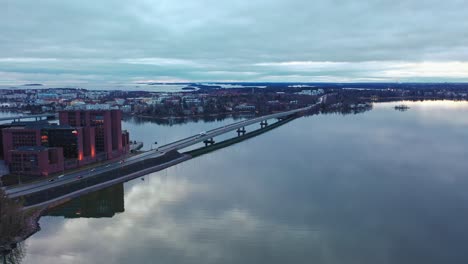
x=311 y=92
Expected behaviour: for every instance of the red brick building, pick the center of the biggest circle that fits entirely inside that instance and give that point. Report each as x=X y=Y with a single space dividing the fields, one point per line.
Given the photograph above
x=36 y=161
x=82 y=137
x=109 y=142
x=15 y=137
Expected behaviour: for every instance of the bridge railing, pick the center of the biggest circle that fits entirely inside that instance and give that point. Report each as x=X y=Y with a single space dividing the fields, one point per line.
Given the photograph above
x=234 y=126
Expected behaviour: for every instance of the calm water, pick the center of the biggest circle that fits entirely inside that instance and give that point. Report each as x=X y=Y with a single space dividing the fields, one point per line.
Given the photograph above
x=379 y=187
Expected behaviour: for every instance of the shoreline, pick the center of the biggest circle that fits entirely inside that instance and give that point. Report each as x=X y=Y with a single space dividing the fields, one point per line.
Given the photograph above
x=32 y=226
x=165 y=118
x=32 y=220
x=35 y=212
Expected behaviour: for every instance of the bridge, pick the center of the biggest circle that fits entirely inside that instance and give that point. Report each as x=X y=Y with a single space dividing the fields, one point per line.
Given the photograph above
x=35 y=117
x=159 y=153
x=239 y=127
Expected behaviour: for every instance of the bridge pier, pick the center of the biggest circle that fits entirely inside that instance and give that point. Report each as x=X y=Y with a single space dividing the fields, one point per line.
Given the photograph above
x=240 y=131
x=209 y=142
x=263 y=124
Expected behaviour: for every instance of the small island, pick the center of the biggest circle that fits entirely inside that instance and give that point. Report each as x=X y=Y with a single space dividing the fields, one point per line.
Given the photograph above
x=33 y=84
x=402 y=107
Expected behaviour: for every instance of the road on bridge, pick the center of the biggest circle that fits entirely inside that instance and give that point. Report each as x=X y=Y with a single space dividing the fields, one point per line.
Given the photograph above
x=18 y=191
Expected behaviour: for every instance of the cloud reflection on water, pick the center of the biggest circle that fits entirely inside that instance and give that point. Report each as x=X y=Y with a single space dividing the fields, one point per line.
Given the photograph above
x=379 y=187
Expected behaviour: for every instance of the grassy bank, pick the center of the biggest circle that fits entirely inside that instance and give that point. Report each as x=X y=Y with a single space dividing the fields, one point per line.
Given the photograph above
x=229 y=142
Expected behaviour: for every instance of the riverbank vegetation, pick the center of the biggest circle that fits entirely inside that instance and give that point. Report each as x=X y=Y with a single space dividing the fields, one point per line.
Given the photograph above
x=12 y=221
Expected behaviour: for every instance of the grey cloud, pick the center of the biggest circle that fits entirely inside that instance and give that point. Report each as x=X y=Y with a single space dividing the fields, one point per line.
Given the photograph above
x=198 y=40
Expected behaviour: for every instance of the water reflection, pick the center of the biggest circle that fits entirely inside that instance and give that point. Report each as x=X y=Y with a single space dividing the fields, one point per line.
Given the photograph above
x=14 y=256
x=150 y=130
x=114 y=239
x=179 y=121
x=104 y=203
x=435 y=112
x=380 y=187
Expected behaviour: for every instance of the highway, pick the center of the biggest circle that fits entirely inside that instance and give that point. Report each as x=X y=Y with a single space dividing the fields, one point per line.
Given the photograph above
x=22 y=190
x=76 y=176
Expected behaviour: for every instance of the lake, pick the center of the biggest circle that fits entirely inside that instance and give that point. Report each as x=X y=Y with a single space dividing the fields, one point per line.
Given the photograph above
x=383 y=186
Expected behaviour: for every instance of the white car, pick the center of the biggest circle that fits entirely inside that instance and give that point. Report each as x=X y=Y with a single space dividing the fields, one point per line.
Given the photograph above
x=201 y=134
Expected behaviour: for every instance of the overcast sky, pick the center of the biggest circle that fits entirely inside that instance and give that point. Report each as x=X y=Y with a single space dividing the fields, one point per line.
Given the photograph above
x=110 y=41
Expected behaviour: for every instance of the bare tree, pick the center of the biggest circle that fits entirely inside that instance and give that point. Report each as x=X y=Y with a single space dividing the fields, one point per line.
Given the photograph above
x=12 y=221
x=14 y=256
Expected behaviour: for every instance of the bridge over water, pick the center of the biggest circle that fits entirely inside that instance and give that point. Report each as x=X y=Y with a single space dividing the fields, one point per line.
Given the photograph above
x=68 y=186
x=18 y=118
